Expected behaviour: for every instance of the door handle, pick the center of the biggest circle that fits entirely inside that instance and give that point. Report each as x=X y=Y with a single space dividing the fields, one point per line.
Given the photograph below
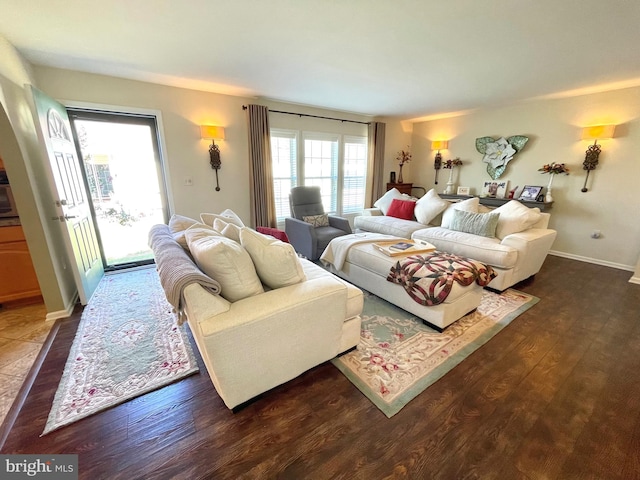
x=63 y=218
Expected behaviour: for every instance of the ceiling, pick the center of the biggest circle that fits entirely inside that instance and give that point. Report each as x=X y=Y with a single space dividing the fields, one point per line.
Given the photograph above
x=405 y=58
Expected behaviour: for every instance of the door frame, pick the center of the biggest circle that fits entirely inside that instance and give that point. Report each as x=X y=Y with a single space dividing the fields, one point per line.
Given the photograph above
x=122 y=109
x=123 y=118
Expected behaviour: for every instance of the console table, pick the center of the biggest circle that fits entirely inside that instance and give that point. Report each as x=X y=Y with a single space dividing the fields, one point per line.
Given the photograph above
x=401 y=187
x=497 y=202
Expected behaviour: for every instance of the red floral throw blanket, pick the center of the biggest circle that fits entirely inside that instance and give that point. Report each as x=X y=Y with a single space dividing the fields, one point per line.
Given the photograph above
x=429 y=278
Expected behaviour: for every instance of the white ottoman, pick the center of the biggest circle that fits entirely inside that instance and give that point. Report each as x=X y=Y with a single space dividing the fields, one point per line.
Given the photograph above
x=367 y=268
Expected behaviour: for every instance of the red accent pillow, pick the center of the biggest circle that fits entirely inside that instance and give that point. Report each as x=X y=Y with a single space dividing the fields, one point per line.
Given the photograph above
x=274 y=232
x=401 y=209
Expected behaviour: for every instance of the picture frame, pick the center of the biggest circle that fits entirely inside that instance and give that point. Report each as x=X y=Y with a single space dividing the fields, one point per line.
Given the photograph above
x=463 y=191
x=490 y=189
x=502 y=189
x=530 y=193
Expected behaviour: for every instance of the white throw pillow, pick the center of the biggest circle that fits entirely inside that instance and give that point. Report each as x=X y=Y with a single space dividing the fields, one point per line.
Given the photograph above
x=515 y=217
x=429 y=206
x=384 y=202
x=180 y=235
x=228 y=230
x=225 y=261
x=275 y=261
x=468 y=205
x=227 y=215
x=179 y=223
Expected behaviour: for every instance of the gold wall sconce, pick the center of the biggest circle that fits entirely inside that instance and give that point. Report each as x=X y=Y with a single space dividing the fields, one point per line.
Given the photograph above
x=212 y=132
x=437 y=162
x=595 y=133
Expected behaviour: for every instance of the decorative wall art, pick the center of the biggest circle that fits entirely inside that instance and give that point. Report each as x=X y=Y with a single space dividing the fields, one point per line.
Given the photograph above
x=498 y=153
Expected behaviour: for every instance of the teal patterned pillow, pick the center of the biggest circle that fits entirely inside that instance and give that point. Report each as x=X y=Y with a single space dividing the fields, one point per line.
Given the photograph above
x=317 y=220
x=483 y=224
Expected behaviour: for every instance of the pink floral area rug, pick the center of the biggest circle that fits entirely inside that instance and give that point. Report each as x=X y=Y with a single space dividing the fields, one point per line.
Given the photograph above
x=398 y=356
x=128 y=343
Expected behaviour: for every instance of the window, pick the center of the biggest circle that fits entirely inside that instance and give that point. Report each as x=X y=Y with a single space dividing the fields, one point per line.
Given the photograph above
x=355 y=174
x=336 y=163
x=285 y=172
x=321 y=167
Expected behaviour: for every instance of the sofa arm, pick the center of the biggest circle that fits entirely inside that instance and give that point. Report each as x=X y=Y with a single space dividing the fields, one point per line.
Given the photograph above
x=340 y=223
x=533 y=245
x=302 y=236
x=372 y=212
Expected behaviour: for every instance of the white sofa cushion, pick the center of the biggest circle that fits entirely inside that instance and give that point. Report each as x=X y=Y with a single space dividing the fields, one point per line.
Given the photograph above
x=387 y=225
x=384 y=202
x=429 y=206
x=514 y=218
x=227 y=215
x=225 y=261
x=483 y=249
x=276 y=262
x=468 y=205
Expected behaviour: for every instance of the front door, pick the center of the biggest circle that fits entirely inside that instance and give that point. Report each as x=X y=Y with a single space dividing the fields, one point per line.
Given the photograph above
x=73 y=209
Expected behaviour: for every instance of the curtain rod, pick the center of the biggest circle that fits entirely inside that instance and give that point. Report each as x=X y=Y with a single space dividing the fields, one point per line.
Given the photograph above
x=244 y=107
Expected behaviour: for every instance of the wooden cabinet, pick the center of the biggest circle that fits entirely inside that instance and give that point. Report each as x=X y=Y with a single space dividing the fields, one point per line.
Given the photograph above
x=17 y=276
x=401 y=187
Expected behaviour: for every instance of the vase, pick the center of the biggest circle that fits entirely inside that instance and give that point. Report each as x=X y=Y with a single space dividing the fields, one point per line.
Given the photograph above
x=548 y=198
x=449 y=189
x=400 y=175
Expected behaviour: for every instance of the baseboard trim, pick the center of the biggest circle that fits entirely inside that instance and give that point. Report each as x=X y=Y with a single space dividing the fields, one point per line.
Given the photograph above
x=21 y=397
x=635 y=280
x=66 y=313
x=595 y=261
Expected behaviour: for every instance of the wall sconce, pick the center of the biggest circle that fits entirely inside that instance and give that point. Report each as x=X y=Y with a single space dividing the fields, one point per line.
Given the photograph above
x=211 y=132
x=595 y=133
x=437 y=163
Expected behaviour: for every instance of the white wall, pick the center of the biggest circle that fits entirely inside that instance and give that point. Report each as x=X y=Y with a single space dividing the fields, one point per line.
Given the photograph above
x=25 y=165
x=553 y=127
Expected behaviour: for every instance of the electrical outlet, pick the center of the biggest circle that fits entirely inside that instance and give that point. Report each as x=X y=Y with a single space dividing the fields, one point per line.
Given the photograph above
x=188 y=182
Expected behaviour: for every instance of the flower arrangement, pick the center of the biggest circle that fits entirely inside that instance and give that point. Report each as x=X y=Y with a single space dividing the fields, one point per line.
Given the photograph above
x=404 y=156
x=456 y=162
x=554 y=168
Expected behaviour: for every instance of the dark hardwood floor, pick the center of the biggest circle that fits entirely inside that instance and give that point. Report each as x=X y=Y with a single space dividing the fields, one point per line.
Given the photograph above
x=555 y=395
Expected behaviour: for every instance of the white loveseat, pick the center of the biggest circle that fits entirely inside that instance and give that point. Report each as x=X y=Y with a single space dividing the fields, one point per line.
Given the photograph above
x=279 y=317
x=516 y=248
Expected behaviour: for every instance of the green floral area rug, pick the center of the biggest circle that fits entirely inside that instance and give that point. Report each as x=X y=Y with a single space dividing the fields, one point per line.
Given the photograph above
x=398 y=356
x=128 y=343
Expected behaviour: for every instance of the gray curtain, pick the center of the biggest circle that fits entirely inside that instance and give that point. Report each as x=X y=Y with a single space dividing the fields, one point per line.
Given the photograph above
x=263 y=204
x=376 y=151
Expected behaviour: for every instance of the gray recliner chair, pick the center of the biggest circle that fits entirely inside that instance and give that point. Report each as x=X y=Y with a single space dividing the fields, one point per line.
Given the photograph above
x=308 y=240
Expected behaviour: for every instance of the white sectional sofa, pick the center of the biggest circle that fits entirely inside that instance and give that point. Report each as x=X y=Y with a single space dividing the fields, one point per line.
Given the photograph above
x=260 y=316
x=515 y=242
